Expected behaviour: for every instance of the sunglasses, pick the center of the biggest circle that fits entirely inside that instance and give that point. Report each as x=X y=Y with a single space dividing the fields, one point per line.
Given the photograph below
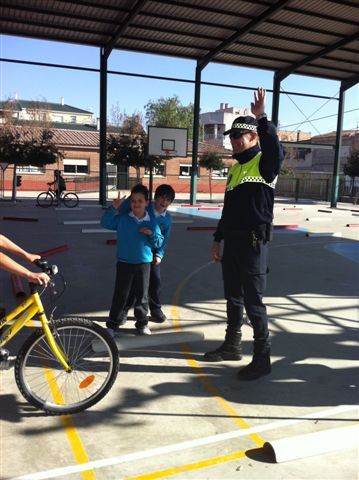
x=237 y=135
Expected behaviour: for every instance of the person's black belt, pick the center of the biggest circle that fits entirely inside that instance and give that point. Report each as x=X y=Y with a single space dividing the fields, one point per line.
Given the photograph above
x=263 y=231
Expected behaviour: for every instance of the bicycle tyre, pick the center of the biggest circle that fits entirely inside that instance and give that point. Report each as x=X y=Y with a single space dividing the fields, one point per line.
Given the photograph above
x=71 y=200
x=44 y=199
x=45 y=384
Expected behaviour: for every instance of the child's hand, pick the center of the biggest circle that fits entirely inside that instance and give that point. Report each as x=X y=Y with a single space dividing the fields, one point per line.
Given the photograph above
x=156 y=260
x=117 y=202
x=145 y=230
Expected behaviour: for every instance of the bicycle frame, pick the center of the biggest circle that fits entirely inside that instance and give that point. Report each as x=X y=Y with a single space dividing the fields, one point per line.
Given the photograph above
x=25 y=312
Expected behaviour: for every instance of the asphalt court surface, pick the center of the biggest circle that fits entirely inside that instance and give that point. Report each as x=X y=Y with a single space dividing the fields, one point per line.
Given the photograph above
x=170 y=414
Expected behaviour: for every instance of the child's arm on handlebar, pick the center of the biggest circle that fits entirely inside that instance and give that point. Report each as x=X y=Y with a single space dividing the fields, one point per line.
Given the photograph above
x=6 y=263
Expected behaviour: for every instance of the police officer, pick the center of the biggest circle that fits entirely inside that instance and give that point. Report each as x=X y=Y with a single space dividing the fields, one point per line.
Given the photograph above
x=245 y=227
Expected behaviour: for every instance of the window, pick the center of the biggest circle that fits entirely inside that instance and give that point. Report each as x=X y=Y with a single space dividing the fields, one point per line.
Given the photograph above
x=57 y=118
x=29 y=169
x=186 y=170
x=220 y=173
x=73 y=118
x=158 y=170
x=76 y=166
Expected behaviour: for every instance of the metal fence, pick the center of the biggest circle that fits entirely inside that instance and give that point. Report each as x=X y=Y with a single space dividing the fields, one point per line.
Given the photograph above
x=306 y=186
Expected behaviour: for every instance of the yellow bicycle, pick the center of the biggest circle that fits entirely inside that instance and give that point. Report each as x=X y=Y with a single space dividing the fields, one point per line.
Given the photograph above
x=66 y=365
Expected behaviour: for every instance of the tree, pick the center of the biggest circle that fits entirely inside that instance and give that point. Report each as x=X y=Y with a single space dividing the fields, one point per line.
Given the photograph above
x=211 y=160
x=27 y=147
x=129 y=150
x=131 y=124
x=351 y=168
x=169 y=112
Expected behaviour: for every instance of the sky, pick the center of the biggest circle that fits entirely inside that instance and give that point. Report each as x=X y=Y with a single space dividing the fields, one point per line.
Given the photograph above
x=131 y=94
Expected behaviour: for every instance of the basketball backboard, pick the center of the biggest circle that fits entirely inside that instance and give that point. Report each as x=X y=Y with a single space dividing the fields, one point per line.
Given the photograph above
x=167 y=141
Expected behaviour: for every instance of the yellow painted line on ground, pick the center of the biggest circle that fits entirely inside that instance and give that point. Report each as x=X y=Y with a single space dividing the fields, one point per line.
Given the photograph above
x=73 y=437
x=198 y=370
x=210 y=462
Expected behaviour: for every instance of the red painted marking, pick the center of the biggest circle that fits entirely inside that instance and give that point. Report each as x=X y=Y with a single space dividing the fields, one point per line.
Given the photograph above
x=326 y=211
x=208 y=208
x=111 y=242
x=284 y=226
x=21 y=219
x=352 y=225
x=354 y=210
x=202 y=228
x=17 y=286
x=189 y=205
x=52 y=251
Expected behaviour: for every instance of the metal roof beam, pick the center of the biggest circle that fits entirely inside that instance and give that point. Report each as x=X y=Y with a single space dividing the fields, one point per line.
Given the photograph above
x=287 y=71
x=119 y=31
x=242 y=31
x=350 y=82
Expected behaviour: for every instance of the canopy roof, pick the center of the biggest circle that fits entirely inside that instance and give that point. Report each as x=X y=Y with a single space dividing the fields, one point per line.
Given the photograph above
x=317 y=38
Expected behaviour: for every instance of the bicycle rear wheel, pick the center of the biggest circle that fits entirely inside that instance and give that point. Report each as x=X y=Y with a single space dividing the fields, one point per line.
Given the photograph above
x=44 y=199
x=70 y=200
x=43 y=381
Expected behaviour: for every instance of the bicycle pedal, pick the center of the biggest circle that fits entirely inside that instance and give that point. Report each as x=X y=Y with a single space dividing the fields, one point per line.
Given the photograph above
x=4 y=354
x=5 y=364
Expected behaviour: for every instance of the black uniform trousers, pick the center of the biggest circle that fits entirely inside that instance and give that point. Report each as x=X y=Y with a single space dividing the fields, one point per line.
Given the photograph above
x=245 y=268
x=154 y=292
x=130 y=277
x=155 y=289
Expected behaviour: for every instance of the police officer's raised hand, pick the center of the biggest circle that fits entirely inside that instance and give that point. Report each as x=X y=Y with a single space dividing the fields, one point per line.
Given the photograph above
x=259 y=104
x=216 y=251
x=117 y=202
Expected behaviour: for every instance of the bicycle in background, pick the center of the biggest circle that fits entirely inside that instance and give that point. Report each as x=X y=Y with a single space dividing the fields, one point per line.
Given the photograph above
x=46 y=199
x=66 y=365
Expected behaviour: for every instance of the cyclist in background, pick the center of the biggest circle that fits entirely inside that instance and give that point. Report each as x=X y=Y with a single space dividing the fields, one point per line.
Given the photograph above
x=59 y=184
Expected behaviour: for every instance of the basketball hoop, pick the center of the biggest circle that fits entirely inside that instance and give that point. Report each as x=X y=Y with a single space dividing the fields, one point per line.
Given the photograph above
x=169 y=153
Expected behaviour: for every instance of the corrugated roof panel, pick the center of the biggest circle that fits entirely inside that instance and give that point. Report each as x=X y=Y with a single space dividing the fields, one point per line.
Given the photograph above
x=182 y=40
x=193 y=28
x=322 y=72
x=307 y=21
x=239 y=59
x=296 y=33
x=269 y=53
x=144 y=46
x=328 y=8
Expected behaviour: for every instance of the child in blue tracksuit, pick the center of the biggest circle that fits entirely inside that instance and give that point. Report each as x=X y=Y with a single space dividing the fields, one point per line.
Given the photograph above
x=164 y=196
x=137 y=235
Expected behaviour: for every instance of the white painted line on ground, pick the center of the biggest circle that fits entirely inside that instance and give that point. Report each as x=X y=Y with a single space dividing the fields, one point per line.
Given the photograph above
x=82 y=222
x=315 y=443
x=323 y=234
x=58 y=472
x=319 y=219
x=67 y=209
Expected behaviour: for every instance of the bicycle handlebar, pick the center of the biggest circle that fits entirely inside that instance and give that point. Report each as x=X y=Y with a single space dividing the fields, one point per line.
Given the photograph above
x=51 y=270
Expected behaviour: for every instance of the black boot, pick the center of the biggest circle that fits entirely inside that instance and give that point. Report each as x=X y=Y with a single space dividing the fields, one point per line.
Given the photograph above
x=260 y=364
x=231 y=349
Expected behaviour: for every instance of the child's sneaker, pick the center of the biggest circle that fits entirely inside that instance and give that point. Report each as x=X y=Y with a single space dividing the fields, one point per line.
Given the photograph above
x=144 y=330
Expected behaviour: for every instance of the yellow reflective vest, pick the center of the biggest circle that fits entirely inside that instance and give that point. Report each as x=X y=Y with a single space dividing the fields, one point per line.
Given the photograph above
x=246 y=172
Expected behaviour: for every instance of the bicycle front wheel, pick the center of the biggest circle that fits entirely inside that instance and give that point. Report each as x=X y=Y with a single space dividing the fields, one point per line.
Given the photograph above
x=44 y=199
x=70 y=200
x=92 y=354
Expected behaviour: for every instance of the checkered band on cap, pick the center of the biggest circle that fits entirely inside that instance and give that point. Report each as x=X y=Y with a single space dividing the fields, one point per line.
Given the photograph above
x=245 y=126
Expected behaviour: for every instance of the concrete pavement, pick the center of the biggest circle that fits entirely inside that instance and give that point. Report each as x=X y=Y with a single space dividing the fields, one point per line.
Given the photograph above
x=169 y=412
